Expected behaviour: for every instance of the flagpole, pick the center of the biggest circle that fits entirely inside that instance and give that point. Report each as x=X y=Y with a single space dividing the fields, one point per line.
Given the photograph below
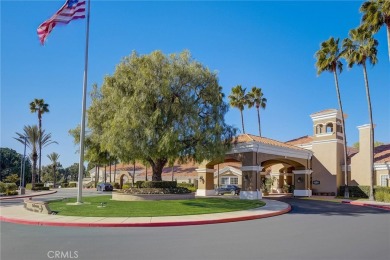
x=82 y=131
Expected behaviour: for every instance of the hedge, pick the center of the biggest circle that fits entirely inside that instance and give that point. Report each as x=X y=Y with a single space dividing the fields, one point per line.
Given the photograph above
x=382 y=193
x=159 y=184
x=72 y=185
x=8 y=188
x=356 y=191
x=189 y=186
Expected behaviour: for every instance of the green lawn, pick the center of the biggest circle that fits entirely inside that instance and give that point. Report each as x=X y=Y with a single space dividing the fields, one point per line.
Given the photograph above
x=150 y=208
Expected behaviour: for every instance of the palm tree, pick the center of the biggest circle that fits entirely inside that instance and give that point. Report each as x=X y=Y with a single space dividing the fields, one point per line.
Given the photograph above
x=38 y=106
x=33 y=138
x=54 y=161
x=328 y=59
x=238 y=100
x=359 y=48
x=376 y=13
x=255 y=98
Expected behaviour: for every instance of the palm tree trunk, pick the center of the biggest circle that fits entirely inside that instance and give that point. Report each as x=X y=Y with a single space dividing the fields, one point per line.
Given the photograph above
x=115 y=170
x=388 y=39
x=258 y=120
x=110 y=171
x=34 y=172
x=54 y=177
x=346 y=190
x=242 y=122
x=40 y=145
x=371 y=196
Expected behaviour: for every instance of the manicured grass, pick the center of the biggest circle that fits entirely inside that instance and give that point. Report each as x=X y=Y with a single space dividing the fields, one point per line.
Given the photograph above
x=150 y=208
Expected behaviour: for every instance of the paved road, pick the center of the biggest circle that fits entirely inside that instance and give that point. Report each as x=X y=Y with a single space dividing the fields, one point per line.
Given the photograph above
x=312 y=230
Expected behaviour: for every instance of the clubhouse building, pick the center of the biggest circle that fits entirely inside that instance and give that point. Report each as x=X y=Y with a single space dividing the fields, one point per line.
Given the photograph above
x=305 y=166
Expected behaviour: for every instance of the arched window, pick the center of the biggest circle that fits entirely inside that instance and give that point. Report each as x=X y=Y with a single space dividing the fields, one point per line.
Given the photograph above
x=319 y=129
x=329 y=128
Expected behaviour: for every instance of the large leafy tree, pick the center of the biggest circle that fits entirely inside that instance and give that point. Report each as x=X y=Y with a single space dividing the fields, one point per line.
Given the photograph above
x=10 y=162
x=53 y=157
x=34 y=137
x=376 y=13
x=157 y=107
x=256 y=98
x=238 y=99
x=361 y=48
x=40 y=107
x=328 y=59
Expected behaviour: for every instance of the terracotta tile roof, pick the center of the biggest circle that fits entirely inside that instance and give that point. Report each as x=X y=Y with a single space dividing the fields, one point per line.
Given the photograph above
x=382 y=154
x=351 y=151
x=325 y=111
x=244 y=138
x=300 y=140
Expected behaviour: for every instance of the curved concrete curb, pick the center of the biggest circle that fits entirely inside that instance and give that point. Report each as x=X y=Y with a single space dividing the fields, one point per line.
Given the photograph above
x=212 y=219
x=28 y=196
x=358 y=203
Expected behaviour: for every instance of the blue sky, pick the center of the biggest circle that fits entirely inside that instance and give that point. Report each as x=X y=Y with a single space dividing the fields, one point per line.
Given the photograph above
x=268 y=44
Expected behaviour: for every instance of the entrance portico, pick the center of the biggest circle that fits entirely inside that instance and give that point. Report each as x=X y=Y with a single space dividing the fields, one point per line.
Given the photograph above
x=256 y=154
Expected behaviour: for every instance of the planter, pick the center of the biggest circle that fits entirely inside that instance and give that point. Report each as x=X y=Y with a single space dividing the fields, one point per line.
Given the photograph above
x=141 y=197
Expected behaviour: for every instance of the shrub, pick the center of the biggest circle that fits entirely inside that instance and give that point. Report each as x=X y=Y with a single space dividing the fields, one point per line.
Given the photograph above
x=126 y=186
x=64 y=185
x=139 y=184
x=159 y=184
x=41 y=188
x=176 y=190
x=190 y=186
x=10 y=187
x=382 y=194
x=356 y=191
x=11 y=193
x=2 y=187
x=72 y=185
x=39 y=185
x=28 y=186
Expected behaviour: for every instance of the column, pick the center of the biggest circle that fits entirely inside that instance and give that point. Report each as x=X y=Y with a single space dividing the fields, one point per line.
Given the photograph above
x=302 y=183
x=251 y=182
x=205 y=182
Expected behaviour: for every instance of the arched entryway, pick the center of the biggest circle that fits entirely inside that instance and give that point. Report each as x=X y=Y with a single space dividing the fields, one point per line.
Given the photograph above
x=255 y=154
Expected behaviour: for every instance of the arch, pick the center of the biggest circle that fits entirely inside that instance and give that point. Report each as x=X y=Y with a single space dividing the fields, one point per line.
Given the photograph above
x=329 y=127
x=319 y=128
x=123 y=178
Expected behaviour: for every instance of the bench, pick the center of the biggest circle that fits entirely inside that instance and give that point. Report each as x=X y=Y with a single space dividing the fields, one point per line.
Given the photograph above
x=37 y=206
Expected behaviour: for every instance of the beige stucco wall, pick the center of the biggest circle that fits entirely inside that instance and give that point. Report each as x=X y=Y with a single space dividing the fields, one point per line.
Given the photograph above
x=360 y=163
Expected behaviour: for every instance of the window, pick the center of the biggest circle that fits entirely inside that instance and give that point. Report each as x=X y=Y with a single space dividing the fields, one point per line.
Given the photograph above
x=233 y=180
x=384 y=180
x=329 y=128
x=224 y=181
x=319 y=129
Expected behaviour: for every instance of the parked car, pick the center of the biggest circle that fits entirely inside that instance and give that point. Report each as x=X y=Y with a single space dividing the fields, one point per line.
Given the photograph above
x=224 y=189
x=104 y=187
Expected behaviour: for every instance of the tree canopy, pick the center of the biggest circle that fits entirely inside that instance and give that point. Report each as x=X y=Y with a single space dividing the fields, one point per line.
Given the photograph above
x=10 y=162
x=158 y=108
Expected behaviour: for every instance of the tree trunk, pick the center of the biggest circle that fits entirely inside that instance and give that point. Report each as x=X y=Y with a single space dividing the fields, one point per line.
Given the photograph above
x=346 y=190
x=157 y=168
x=371 y=197
x=54 y=177
x=242 y=122
x=105 y=173
x=40 y=144
x=110 y=172
x=146 y=173
x=97 y=174
x=133 y=174
x=258 y=120
x=388 y=39
x=115 y=171
x=34 y=170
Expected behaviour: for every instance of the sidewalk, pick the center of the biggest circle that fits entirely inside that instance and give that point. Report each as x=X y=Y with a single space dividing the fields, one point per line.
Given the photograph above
x=365 y=203
x=28 y=194
x=17 y=214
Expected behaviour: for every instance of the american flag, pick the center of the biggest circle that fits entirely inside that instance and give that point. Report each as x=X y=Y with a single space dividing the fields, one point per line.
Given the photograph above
x=71 y=10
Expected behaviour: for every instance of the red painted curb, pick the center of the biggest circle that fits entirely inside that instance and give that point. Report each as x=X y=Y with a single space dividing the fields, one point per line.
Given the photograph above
x=28 y=196
x=356 y=203
x=157 y=224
